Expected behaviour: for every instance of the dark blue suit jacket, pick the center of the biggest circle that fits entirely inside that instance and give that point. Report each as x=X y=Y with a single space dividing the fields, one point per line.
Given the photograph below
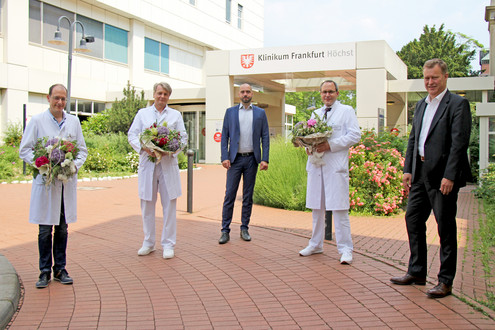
x=231 y=134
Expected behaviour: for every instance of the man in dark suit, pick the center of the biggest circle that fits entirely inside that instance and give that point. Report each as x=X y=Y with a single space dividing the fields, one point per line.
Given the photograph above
x=244 y=127
x=436 y=166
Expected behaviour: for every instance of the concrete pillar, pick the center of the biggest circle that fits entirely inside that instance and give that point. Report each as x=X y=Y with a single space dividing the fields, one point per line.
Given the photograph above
x=136 y=56
x=219 y=97
x=371 y=95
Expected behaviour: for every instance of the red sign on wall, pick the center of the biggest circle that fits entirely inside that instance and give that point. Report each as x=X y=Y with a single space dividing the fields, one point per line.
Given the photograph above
x=217 y=137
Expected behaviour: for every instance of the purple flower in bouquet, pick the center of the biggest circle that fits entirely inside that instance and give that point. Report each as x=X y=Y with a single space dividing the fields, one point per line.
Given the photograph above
x=51 y=142
x=57 y=156
x=174 y=144
x=162 y=130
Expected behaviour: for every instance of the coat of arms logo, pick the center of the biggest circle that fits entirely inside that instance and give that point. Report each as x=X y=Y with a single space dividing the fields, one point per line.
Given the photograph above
x=247 y=60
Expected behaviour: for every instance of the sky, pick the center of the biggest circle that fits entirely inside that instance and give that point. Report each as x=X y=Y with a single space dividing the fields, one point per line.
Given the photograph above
x=306 y=22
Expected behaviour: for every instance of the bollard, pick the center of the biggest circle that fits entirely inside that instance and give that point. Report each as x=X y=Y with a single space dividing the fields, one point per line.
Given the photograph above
x=190 y=154
x=328 y=225
x=23 y=129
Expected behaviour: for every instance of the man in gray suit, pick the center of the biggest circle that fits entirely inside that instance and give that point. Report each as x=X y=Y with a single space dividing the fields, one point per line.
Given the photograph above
x=245 y=126
x=436 y=166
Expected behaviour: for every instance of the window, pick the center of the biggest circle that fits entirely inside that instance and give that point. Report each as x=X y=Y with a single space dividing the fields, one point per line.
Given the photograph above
x=115 y=44
x=228 y=9
x=192 y=2
x=91 y=28
x=239 y=16
x=35 y=21
x=156 y=56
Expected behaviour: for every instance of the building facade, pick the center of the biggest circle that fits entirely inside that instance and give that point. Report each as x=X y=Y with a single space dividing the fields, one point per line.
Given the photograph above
x=137 y=41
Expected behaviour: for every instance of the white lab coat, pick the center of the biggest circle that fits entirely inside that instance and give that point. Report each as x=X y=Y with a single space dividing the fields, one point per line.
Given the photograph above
x=46 y=201
x=170 y=168
x=334 y=175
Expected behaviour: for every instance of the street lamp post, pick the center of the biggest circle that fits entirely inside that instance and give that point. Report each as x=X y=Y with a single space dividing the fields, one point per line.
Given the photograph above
x=57 y=40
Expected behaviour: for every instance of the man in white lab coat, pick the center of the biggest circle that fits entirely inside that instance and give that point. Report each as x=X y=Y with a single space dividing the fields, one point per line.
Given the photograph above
x=53 y=205
x=159 y=176
x=328 y=184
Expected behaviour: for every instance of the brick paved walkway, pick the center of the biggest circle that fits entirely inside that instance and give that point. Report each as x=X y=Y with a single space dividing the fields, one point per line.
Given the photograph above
x=260 y=284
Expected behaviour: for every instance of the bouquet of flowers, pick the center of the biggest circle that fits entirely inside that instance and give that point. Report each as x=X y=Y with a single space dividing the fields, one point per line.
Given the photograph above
x=54 y=159
x=161 y=140
x=309 y=134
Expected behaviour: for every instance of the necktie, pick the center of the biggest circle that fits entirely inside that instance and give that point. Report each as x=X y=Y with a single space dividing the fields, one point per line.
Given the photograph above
x=327 y=110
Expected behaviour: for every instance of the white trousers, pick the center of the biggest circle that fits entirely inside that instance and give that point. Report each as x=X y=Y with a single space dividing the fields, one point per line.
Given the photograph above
x=169 y=232
x=342 y=228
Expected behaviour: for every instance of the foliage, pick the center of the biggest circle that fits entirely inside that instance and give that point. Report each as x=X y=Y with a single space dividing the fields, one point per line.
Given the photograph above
x=97 y=124
x=375 y=183
x=283 y=185
x=11 y=167
x=484 y=237
x=13 y=134
x=375 y=175
x=474 y=144
x=122 y=113
x=307 y=102
x=442 y=44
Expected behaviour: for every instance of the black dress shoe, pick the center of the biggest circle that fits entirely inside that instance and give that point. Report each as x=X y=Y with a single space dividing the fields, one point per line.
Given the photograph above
x=63 y=277
x=440 y=291
x=43 y=280
x=408 y=280
x=245 y=235
x=224 y=238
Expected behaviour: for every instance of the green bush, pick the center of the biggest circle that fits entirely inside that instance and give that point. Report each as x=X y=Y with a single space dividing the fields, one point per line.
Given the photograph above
x=11 y=166
x=97 y=124
x=13 y=134
x=283 y=185
x=97 y=161
x=375 y=175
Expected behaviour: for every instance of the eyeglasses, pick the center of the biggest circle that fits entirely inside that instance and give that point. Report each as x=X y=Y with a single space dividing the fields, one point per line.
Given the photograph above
x=328 y=92
x=58 y=98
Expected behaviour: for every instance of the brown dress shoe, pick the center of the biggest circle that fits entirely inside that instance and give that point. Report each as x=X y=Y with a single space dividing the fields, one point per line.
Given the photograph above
x=440 y=291
x=408 y=280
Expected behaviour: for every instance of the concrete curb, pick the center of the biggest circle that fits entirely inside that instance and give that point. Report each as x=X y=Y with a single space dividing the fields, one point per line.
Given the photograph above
x=10 y=291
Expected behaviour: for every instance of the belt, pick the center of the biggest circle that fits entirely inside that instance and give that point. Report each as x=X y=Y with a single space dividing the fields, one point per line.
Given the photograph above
x=245 y=154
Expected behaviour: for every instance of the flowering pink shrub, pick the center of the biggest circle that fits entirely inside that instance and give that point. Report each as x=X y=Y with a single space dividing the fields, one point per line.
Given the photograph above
x=375 y=177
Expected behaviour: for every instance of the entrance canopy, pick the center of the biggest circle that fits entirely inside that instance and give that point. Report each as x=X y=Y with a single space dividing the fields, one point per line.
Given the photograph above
x=365 y=66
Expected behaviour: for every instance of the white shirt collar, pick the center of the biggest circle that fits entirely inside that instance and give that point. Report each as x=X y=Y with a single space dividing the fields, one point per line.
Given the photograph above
x=437 y=98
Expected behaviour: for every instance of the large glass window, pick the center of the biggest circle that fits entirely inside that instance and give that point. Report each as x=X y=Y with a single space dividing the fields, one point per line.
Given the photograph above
x=228 y=10
x=151 y=54
x=115 y=44
x=91 y=28
x=156 y=56
x=35 y=21
x=239 y=16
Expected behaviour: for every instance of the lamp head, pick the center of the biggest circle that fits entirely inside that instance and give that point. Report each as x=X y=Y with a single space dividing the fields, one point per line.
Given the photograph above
x=57 y=39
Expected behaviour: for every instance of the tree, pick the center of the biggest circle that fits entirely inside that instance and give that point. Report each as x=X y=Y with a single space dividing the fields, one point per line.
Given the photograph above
x=307 y=102
x=119 y=117
x=122 y=113
x=441 y=44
